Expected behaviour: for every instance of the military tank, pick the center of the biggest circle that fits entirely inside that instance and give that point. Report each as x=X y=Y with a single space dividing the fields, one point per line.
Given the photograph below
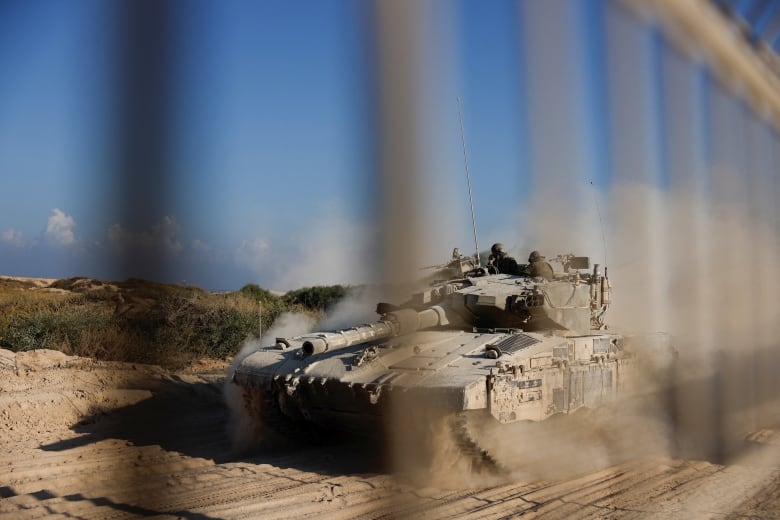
x=500 y=347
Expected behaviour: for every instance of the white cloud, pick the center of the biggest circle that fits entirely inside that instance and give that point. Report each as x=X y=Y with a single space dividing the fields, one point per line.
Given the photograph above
x=160 y=236
x=59 y=228
x=166 y=232
x=12 y=237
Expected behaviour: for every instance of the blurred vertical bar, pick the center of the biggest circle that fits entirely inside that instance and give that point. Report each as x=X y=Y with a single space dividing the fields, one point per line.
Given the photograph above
x=398 y=96
x=764 y=197
x=690 y=240
x=561 y=125
x=684 y=134
x=142 y=190
x=637 y=154
x=144 y=29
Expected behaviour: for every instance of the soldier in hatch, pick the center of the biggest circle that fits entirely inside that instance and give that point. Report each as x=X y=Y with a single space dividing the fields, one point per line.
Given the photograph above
x=499 y=261
x=538 y=266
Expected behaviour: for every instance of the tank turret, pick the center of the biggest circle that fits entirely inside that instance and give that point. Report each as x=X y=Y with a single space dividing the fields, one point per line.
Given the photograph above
x=573 y=301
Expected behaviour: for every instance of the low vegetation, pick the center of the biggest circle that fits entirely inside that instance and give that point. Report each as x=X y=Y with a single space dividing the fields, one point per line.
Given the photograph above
x=142 y=321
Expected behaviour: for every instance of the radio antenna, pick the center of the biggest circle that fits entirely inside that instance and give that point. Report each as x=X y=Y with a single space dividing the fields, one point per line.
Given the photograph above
x=601 y=224
x=468 y=183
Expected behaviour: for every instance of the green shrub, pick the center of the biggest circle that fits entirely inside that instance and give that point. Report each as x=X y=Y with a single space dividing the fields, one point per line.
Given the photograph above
x=318 y=298
x=54 y=323
x=147 y=322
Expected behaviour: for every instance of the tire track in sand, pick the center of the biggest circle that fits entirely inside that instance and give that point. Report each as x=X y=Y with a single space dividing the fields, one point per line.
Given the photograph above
x=168 y=456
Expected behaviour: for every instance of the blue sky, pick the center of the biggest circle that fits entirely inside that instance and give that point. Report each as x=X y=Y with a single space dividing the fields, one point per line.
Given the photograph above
x=264 y=129
x=267 y=121
x=269 y=129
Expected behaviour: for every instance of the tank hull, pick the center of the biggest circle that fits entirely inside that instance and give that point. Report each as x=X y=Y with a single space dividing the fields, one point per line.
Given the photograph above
x=357 y=388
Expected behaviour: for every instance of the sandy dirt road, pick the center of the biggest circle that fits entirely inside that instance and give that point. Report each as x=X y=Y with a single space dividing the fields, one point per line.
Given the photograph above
x=83 y=439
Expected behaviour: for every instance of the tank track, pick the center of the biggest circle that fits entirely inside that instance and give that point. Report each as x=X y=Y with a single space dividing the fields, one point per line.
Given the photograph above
x=272 y=425
x=269 y=422
x=469 y=444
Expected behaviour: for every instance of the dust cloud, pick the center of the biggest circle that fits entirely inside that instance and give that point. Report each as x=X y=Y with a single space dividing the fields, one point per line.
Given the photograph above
x=674 y=269
x=241 y=428
x=358 y=307
x=715 y=291
x=698 y=266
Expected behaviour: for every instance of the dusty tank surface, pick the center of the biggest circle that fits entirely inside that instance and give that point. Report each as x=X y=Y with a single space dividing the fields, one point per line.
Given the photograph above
x=495 y=347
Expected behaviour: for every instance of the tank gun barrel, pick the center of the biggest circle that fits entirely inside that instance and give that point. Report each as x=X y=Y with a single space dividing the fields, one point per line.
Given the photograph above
x=396 y=323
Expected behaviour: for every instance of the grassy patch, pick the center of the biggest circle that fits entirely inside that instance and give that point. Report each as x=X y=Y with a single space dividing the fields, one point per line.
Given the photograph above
x=142 y=321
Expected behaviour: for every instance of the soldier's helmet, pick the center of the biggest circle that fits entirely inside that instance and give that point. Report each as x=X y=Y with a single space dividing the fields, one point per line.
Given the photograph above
x=534 y=256
x=498 y=249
